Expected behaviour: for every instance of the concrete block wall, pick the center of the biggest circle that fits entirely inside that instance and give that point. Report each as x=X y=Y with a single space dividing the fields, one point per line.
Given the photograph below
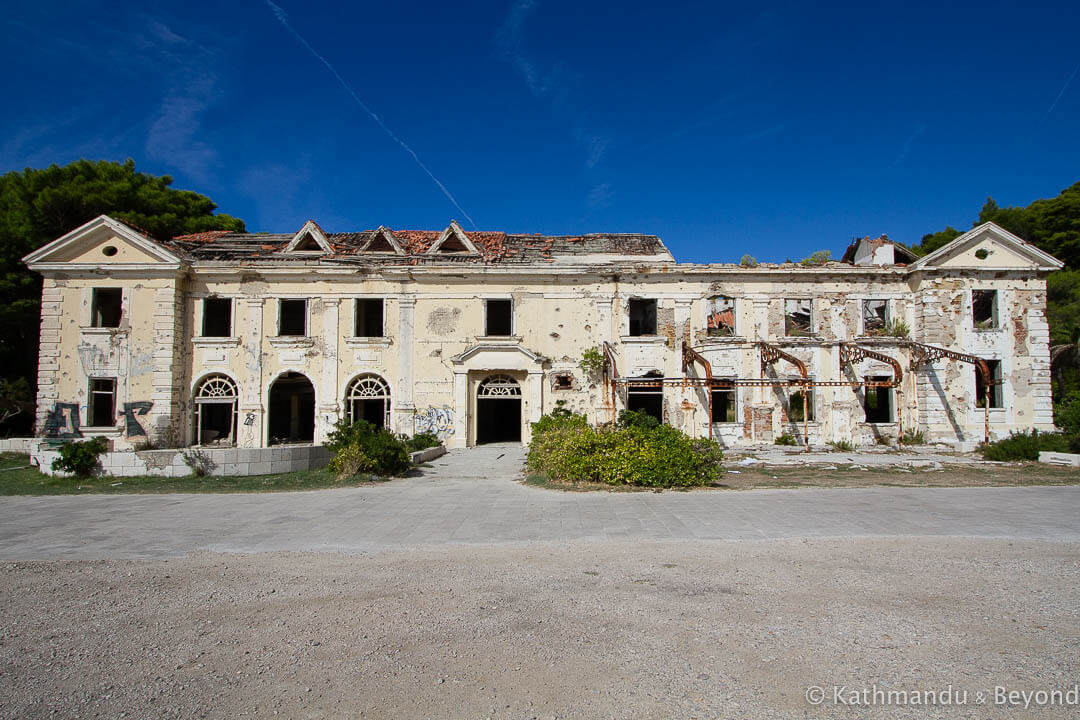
x=226 y=461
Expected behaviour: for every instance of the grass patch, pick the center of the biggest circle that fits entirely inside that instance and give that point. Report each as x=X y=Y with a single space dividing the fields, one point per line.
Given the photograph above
x=17 y=478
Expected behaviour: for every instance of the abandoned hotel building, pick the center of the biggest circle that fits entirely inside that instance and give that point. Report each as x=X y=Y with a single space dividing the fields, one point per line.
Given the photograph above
x=252 y=340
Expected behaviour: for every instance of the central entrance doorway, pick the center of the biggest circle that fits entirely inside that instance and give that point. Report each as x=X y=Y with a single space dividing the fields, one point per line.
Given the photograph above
x=292 y=410
x=498 y=410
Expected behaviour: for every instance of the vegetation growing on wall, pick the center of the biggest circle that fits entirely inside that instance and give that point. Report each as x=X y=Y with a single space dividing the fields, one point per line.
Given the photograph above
x=567 y=449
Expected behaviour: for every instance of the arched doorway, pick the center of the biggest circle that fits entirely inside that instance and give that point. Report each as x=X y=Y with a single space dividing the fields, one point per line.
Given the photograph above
x=498 y=410
x=215 y=411
x=291 y=410
x=368 y=398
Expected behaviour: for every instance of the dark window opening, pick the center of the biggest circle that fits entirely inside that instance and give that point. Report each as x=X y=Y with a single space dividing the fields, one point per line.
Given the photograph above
x=308 y=244
x=721 y=318
x=996 y=396
x=642 y=317
x=875 y=315
x=500 y=318
x=101 y=410
x=878 y=402
x=795 y=406
x=380 y=244
x=369 y=318
x=292 y=317
x=647 y=400
x=563 y=381
x=798 y=317
x=292 y=410
x=217 y=317
x=984 y=309
x=107 y=307
x=723 y=406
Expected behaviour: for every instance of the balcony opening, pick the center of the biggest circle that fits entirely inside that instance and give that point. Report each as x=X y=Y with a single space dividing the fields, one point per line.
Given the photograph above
x=106 y=307
x=721 y=317
x=646 y=399
x=996 y=395
x=369 y=317
x=292 y=317
x=499 y=318
x=875 y=315
x=217 y=317
x=723 y=406
x=101 y=409
x=984 y=309
x=798 y=318
x=878 y=401
x=642 y=317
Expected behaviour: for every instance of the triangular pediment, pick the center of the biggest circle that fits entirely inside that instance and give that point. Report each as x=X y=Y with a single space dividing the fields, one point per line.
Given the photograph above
x=102 y=241
x=383 y=240
x=453 y=241
x=311 y=240
x=988 y=247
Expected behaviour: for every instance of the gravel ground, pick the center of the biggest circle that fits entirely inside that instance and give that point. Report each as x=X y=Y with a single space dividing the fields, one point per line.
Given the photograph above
x=581 y=630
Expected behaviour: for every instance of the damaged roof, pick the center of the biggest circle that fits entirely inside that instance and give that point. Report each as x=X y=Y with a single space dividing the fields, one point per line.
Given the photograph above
x=490 y=247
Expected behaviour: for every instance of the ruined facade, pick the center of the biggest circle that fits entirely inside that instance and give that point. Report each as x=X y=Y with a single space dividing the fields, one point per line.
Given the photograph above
x=255 y=339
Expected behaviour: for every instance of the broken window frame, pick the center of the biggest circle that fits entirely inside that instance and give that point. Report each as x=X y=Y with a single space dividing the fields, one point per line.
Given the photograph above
x=990 y=322
x=562 y=381
x=216 y=389
x=639 y=390
x=878 y=393
x=361 y=317
x=791 y=328
x=997 y=390
x=509 y=328
x=872 y=324
x=714 y=316
x=731 y=406
x=98 y=389
x=208 y=313
x=795 y=404
x=281 y=318
x=642 y=315
x=103 y=312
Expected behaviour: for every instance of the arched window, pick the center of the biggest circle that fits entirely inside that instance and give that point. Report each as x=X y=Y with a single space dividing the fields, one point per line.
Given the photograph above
x=499 y=386
x=215 y=411
x=368 y=398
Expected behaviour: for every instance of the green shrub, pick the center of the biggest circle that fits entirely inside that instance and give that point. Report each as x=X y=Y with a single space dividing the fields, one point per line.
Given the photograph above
x=422 y=441
x=785 y=439
x=1025 y=446
x=1067 y=414
x=842 y=445
x=349 y=461
x=567 y=449
x=386 y=450
x=638 y=419
x=897 y=329
x=912 y=436
x=592 y=362
x=81 y=458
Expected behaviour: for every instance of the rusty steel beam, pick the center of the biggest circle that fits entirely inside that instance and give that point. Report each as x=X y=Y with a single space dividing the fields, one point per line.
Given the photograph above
x=689 y=357
x=609 y=362
x=851 y=354
x=771 y=354
x=922 y=354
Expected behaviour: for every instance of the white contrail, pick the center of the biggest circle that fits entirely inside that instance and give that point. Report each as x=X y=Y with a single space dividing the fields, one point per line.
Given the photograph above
x=283 y=18
x=1054 y=104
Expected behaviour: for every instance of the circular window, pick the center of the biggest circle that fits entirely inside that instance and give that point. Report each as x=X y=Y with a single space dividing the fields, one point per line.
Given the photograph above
x=108 y=250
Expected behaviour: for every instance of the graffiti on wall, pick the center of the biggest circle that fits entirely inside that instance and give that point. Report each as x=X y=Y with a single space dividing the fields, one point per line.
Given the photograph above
x=62 y=421
x=132 y=427
x=437 y=421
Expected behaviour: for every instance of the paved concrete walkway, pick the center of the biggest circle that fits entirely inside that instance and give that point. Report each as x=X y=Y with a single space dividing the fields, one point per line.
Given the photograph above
x=470 y=496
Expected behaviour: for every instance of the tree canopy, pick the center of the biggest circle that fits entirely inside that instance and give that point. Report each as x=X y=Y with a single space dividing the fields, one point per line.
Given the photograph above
x=38 y=206
x=1051 y=225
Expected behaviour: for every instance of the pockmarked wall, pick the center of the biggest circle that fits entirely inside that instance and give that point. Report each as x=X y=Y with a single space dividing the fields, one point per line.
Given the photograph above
x=248 y=341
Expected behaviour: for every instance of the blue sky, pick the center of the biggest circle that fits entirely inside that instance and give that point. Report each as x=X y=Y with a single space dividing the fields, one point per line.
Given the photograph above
x=725 y=129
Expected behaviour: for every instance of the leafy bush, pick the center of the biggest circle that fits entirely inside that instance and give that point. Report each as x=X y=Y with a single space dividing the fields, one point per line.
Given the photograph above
x=1025 y=446
x=422 y=441
x=1067 y=414
x=785 y=439
x=637 y=419
x=200 y=463
x=349 y=461
x=748 y=261
x=81 y=458
x=567 y=449
x=386 y=450
x=912 y=436
x=592 y=361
